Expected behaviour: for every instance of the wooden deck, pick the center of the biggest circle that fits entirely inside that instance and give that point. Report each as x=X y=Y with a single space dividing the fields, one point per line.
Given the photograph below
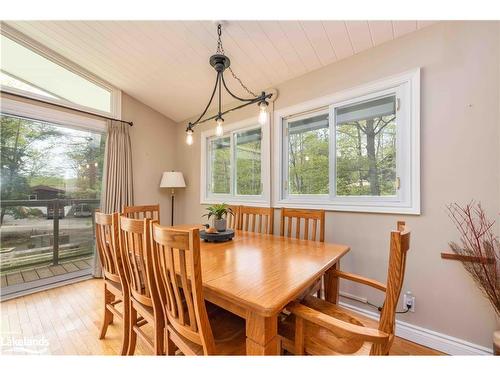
x=37 y=273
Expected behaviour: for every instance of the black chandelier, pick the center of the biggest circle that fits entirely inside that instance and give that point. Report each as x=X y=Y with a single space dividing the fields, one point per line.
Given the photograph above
x=220 y=63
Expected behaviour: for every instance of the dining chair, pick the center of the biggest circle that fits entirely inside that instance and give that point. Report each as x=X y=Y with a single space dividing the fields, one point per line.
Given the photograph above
x=115 y=284
x=319 y=327
x=151 y=211
x=233 y=221
x=257 y=219
x=194 y=326
x=145 y=306
x=312 y=220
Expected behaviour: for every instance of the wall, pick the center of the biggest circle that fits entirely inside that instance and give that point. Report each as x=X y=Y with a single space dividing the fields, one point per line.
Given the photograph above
x=152 y=138
x=459 y=162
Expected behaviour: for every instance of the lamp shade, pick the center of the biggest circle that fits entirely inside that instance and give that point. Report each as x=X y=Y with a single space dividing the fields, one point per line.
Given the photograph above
x=172 y=180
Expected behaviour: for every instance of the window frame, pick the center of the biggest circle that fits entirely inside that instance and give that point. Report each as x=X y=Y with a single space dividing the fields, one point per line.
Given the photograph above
x=115 y=94
x=406 y=87
x=65 y=119
x=230 y=130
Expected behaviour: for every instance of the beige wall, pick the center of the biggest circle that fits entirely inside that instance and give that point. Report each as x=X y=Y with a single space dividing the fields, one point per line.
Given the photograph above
x=459 y=162
x=152 y=138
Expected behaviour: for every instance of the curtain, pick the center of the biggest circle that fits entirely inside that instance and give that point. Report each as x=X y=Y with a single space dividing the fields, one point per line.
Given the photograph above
x=117 y=187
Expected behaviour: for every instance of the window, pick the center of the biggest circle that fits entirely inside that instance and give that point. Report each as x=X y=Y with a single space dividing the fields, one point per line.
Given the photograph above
x=30 y=70
x=248 y=158
x=353 y=151
x=48 y=173
x=365 y=141
x=220 y=165
x=236 y=165
x=308 y=156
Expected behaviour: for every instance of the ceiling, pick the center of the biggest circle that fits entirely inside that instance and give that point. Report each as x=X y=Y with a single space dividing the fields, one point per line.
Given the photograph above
x=164 y=64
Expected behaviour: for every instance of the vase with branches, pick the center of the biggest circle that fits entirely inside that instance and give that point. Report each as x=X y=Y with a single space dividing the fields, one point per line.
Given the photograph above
x=479 y=251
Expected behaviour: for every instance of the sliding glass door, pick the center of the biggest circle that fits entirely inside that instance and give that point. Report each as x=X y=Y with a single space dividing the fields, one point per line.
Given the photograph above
x=51 y=179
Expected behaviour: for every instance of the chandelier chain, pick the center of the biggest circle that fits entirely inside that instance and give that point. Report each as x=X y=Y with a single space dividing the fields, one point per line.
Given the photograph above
x=220 y=49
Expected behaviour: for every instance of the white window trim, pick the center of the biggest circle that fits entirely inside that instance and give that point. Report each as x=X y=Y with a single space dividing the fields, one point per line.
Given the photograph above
x=51 y=115
x=356 y=204
x=43 y=51
x=263 y=200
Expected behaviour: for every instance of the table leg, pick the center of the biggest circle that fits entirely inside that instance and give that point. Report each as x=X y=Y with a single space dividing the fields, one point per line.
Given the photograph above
x=262 y=334
x=332 y=284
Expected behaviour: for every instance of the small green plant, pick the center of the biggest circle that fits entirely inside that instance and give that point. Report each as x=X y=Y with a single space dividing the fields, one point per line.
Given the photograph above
x=218 y=211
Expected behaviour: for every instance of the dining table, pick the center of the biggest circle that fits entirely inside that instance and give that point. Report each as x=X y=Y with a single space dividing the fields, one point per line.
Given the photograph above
x=256 y=275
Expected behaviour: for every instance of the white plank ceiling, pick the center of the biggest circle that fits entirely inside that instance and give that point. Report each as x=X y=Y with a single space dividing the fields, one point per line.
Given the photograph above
x=164 y=64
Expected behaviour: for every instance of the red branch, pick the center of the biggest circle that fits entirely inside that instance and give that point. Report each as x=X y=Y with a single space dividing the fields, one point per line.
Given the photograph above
x=478 y=240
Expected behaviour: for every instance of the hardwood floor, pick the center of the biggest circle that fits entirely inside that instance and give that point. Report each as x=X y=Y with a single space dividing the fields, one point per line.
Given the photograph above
x=66 y=320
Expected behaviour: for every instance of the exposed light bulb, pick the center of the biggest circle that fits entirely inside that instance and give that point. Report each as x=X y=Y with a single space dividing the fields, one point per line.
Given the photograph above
x=95 y=164
x=189 y=137
x=219 y=130
x=263 y=113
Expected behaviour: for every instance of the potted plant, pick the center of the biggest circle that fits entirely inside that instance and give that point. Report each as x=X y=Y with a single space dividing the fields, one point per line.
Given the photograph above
x=219 y=212
x=479 y=252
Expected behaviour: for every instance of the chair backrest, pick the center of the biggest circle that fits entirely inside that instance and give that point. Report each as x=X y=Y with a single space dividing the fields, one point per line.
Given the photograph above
x=143 y=212
x=399 y=246
x=135 y=247
x=257 y=219
x=177 y=270
x=233 y=221
x=107 y=244
x=312 y=220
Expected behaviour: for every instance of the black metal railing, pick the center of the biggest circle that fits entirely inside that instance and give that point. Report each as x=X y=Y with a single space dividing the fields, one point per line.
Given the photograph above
x=56 y=212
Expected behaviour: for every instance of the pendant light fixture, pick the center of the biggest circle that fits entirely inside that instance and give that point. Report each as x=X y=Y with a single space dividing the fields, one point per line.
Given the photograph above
x=220 y=62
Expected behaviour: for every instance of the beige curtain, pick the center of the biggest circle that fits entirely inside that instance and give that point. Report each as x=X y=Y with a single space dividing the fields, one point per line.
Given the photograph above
x=117 y=188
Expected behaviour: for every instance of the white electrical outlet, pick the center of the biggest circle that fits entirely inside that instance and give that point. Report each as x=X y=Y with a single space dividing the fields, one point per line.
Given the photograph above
x=409 y=300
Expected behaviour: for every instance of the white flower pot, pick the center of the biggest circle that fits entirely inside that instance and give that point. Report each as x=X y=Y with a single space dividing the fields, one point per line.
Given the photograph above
x=220 y=224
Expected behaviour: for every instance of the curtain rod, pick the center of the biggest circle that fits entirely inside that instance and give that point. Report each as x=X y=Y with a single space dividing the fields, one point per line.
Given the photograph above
x=66 y=107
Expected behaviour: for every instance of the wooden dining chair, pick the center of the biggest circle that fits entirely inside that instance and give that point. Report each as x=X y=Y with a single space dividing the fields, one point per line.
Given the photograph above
x=313 y=229
x=151 y=211
x=194 y=326
x=257 y=219
x=314 y=224
x=233 y=221
x=115 y=285
x=145 y=305
x=319 y=327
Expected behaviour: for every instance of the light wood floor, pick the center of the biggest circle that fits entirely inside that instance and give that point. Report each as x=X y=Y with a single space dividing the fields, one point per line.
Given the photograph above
x=66 y=320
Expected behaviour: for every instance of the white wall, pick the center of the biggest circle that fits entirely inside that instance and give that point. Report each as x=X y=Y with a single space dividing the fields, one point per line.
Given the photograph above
x=459 y=162
x=152 y=138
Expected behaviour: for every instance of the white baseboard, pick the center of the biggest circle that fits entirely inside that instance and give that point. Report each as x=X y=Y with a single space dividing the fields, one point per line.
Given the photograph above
x=432 y=339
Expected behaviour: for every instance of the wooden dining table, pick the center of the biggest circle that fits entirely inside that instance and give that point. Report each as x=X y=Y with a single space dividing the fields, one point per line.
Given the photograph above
x=256 y=275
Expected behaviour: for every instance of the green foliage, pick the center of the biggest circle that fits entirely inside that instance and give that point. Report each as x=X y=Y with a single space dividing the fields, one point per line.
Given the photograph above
x=218 y=211
x=87 y=156
x=221 y=166
x=248 y=165
x=366 y=157
x=308 y=162
x=21 y=151
x=25 y=212
x=30 y=155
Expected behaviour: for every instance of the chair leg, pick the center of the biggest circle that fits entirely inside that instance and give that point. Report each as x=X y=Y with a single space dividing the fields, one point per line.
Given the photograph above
x=126 y=325
x=159 y=337
x=108 y=315
x=131 y=333
x=170 y=347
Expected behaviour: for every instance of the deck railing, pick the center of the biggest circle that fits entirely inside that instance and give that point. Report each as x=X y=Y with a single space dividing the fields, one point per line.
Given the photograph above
x=56 y=212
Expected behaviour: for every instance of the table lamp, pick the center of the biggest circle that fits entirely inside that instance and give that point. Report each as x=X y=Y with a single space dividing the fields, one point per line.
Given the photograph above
x=172 y=180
